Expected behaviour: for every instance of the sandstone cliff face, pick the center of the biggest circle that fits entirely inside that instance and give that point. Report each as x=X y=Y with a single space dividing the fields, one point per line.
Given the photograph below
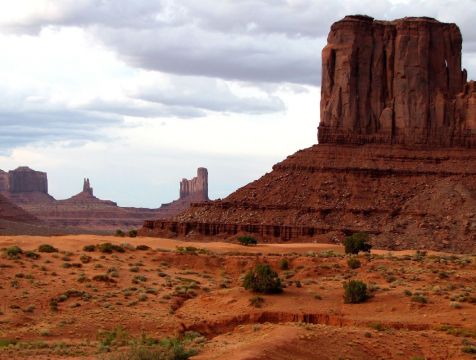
x=24 y=179
x=396 y=82
x=196 y=188
x=3 y=181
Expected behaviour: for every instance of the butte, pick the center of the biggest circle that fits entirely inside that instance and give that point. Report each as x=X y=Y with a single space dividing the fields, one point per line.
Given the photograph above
x=396 y=152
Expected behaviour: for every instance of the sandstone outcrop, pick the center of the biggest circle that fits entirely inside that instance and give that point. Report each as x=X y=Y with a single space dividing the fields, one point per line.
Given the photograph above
x=197 y=188
x=396 y=155
x=396 y=82
x=24 y=179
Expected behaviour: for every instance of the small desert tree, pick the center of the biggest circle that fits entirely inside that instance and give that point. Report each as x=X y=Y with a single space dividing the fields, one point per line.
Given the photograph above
x=357 y=242
x=263 y=279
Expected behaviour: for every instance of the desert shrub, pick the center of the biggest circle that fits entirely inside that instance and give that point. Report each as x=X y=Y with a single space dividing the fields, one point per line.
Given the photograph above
x=13 y=252
x=247 y=240
x=113 y=338
x=355 y=291
x=85 y=259
x=108 y=248
x=132 y=233
x=191 y=250
x=47 y=248
x=353 y=263
x=103 y=278
x=419 y=298
x=32 y=255
x=142 y=247
x=284 y=264
x=89 y=248
x=357 y=242
x=263 y=279
x=469 y=349
x=120 y=233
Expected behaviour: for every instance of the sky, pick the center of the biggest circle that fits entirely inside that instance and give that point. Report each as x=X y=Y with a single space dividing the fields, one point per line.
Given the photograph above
x=136 y=94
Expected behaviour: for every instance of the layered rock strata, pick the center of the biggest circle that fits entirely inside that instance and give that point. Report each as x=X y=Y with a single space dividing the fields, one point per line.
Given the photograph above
x=396 y=155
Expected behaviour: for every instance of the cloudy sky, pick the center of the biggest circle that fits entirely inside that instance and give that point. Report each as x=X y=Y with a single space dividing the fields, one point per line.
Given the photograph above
x=136 y=94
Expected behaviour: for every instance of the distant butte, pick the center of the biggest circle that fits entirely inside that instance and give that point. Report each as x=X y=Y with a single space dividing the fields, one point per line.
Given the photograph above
x=28 y=189
x=396 y=155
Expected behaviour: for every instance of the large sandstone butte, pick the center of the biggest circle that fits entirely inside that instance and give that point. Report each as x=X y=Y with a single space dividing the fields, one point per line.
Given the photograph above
x=28 y=189
x=397 y=82
x=396 y=155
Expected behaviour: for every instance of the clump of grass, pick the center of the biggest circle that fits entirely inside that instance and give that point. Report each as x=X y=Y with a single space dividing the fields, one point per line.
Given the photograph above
x=47 y=248
x=85 y=259
x=142 y=247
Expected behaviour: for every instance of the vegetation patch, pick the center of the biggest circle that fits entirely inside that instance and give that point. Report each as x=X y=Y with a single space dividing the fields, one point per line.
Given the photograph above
x=263 y=279
x=356 y=243
x=355 y=291
x=247 y=240
x=47 y=248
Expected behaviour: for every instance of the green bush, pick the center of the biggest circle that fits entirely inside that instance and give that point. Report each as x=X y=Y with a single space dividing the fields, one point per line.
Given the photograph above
x=353 y=263
x=108 y=248
x=120 y=233
x=263 y=279
x=357 y=242
x=89 y=248
x=247 y=240
x=32 y=255
x=355 y=291
x=47 y=248
x=13 y=252
x=284 y=264
x=133 y=233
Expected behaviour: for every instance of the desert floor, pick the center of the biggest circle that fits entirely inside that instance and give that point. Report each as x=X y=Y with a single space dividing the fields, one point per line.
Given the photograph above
x=89 y=304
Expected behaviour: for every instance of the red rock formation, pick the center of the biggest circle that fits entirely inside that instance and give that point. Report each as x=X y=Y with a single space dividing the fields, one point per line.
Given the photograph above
x=86 y=211
x=195 y=189
x=11 y=212
x=396 y=111
x=24 y=179
x=3 y=181
x=87 y=187
x=396 y=82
